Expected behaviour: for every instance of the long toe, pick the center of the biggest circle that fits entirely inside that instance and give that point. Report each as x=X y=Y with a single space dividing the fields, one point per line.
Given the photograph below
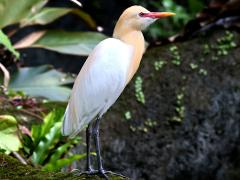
x=103 y=173
x=76 y=172
x=90 y=170
x=116 y=174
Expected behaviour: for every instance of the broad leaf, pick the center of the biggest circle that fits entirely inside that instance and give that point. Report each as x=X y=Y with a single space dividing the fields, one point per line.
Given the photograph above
x=39 y=131
x=14 y=11
x=76 y=43
x=9 y=140
x=4 y=40
x=49 y=14
x=42 y=82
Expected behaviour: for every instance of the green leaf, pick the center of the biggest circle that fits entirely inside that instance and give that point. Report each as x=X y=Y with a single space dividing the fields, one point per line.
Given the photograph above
x=15 y=11
x=63 y=162
x=76 y=43
x=46 y=16
x=195 y=6
x=4 y=40
x=46 y=144
x=39 y=131
x=49 y=14
x=61 y=150
x=43 y=82
x=9 y=140
x=27 y=143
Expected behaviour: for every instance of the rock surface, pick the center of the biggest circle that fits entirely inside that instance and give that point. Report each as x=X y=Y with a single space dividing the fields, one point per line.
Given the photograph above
x=179 y=118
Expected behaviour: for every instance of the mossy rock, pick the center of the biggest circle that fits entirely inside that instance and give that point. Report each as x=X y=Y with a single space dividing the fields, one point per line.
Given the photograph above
x=179 y=113
x=11 y=168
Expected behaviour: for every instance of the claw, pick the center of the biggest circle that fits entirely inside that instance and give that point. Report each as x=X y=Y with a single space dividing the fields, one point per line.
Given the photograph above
x=102 y=173
x=76 y=172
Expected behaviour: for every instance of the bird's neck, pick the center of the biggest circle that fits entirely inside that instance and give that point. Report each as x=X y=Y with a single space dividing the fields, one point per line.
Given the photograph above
x=136 y=39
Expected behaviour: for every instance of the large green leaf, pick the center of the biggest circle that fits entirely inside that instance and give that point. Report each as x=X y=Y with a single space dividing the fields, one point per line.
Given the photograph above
x=4 y=40
x=14 y=11
x=49 y=14
x=61 y=150
x=39 y=131
x=43 y=82
x=9 y=140
x=46 y=144
x=76 y=43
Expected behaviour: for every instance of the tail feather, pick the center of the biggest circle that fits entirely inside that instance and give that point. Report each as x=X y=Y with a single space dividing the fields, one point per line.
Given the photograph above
x=72 y=125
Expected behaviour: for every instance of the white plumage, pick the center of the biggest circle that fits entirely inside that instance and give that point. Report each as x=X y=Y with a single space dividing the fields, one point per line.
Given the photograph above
x=98 y=85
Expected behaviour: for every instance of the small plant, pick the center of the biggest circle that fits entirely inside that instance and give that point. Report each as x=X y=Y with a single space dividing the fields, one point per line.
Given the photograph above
x=225 y=43
x=159 y=64
x=180 y=109
x=128 y=115
x=138 y=90
x=203 y=71
x=193 y=66
x=150 y=123
x=176 y=59
x=206 y=49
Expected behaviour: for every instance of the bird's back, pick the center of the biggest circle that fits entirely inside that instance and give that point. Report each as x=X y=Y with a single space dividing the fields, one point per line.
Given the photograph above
x=98 y=85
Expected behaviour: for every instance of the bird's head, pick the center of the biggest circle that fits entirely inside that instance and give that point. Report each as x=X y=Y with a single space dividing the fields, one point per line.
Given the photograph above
x=138 y=18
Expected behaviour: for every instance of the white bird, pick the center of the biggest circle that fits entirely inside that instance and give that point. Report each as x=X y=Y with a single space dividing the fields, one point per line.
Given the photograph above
x=104 y=75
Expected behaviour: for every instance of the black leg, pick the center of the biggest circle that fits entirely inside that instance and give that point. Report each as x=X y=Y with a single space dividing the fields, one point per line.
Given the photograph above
x=88 y=141
x=94 y=131
x=99 y=158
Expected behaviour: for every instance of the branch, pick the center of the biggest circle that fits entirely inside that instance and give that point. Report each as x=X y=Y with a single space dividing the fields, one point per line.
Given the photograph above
x=6 y=75
x=20 y=158
x=31 y=114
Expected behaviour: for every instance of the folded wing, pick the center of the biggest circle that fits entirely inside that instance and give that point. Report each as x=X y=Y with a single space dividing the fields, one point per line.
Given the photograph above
x=98 y=85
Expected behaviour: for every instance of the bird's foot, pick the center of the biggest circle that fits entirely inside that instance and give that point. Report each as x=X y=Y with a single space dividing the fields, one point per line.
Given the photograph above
x=115 y=174
x=101 y=173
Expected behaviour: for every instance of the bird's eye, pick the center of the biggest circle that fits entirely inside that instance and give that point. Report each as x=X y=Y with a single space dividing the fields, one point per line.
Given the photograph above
x=141 y=14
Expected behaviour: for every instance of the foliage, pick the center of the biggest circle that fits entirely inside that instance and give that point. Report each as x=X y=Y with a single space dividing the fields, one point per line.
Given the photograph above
x=20 y=129
x=44 y=144
x=170 y=26
x=49 y=145
x=27 y=13
x=75 y=43
x=9 y=140
x=41 y=81
x=7 y=43
x=36 y=81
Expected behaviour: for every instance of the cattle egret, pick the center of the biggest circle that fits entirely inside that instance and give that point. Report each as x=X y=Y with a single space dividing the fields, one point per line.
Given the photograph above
x=104 y=75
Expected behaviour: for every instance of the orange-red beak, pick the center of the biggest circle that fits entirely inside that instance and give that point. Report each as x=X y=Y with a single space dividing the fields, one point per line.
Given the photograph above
x=157 y=15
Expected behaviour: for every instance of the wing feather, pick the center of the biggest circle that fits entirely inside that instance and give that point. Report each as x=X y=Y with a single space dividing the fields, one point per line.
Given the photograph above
x=98 y=85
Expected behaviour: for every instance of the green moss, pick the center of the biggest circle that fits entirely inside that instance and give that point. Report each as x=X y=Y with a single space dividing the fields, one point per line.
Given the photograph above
x=11 y=168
